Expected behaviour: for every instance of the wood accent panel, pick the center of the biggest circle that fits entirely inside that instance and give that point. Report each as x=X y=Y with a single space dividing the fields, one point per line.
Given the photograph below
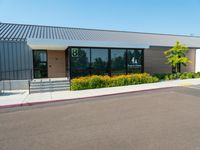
x=56 y=64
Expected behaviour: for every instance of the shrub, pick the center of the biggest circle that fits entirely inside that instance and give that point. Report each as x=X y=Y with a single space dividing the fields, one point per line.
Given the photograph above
x=185 y=75
x=160 y=76
x=197 y=75
x=92 y=82
x=188 y=75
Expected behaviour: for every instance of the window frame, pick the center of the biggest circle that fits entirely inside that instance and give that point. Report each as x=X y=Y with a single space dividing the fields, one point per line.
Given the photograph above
x=109 y=58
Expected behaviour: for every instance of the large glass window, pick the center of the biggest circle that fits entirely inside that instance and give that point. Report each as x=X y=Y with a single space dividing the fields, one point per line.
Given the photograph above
x=99 y=61
x=102 y=61
x=40 y=64
x=118 y=61
x=134 y=61
x=80 y=62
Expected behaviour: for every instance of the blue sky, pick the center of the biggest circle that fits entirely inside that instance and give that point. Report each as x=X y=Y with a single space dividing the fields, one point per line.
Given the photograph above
x=154 y=16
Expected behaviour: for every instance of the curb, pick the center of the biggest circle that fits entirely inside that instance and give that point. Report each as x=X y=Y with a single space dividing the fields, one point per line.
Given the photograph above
x=73 y=99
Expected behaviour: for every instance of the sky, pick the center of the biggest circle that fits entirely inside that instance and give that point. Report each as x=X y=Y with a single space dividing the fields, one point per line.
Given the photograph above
x=152 y=16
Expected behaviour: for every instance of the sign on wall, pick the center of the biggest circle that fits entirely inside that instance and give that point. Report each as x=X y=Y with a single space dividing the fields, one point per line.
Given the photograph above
x=74 y=52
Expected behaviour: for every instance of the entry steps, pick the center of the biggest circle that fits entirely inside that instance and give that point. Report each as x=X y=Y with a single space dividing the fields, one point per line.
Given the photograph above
x=49 y=85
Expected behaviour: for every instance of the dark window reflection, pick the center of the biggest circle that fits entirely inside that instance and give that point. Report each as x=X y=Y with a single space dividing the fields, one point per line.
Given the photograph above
x=99 y=61
x=40 y=64
x=80 y=62
x=118 y=61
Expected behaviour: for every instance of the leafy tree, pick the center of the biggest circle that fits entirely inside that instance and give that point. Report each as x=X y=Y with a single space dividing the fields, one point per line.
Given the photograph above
x=176 y=56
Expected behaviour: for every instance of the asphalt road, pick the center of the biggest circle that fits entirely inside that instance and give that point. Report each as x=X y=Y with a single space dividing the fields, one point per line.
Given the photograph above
x=167 y=119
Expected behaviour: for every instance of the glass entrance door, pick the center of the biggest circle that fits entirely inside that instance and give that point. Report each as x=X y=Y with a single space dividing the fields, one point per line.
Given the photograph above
x=40 y=64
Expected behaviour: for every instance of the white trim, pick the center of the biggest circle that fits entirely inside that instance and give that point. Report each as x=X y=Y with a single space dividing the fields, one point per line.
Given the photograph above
x=52 y=44
x=197 y=63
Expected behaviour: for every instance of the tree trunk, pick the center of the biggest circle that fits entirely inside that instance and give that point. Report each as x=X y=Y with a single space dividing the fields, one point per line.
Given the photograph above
x=173 y=69
x=179 y=68
x=176 y=69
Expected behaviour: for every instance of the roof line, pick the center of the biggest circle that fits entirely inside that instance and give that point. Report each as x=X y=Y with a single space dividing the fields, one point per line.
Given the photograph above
x=107 y=30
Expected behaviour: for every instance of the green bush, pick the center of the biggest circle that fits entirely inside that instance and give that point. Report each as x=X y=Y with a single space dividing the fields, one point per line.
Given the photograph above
x=160 y=76
x=197 y=75
x=92 y=82
x=185 y=75
x=188 y=75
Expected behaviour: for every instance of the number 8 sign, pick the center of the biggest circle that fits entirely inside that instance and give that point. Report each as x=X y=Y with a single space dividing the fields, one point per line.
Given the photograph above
x=74 y=52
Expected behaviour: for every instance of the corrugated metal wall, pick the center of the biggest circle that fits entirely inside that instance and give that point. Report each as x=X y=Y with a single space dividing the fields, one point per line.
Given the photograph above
x=15 y=60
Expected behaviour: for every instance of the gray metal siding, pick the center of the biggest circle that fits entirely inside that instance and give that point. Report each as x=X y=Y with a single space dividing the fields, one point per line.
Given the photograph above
x=15 y=60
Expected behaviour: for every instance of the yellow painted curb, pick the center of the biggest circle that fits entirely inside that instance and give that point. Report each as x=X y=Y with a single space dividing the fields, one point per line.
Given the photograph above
x=186 y=84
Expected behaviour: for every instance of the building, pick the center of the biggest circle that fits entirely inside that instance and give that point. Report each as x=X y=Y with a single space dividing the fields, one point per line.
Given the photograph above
x=35 y=51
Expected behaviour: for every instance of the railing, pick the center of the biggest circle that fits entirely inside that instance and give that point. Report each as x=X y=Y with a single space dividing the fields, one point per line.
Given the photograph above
x=24 y=74
x=7 y=76
x=70 y=83
x=29 y=87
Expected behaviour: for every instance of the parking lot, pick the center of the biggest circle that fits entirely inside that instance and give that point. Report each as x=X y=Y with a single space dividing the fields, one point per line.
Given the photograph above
x=165 y=119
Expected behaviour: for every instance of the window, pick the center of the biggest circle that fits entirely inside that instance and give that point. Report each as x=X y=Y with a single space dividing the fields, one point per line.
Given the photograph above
x=118 y=61
x=104 y=61
x=134 y=61
x=40 y=64
x=99 y=61
x=80 y=62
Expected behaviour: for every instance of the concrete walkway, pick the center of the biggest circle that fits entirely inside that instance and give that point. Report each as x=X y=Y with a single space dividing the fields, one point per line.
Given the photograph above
x=20 y=98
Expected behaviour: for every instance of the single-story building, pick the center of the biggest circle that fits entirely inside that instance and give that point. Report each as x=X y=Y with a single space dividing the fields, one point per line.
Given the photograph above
x=37 y=51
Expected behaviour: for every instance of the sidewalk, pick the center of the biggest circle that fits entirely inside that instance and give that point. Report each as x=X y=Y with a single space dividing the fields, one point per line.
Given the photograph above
x=20 y=98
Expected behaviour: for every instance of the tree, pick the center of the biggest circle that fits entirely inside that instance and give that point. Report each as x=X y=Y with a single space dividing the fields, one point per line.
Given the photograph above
x=176 y=56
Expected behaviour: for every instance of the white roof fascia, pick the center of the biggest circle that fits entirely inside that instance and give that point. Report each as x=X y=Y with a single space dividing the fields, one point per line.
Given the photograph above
x=53 y=44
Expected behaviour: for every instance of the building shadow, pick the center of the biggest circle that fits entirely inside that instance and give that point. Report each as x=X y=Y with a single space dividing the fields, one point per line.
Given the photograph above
x=12 y=93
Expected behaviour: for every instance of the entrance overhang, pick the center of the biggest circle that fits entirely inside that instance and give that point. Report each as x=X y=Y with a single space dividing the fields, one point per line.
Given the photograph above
x=52 y=44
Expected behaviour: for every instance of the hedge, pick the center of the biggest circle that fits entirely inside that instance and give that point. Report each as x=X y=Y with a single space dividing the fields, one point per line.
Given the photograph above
x=185 y=75
x=93 y=82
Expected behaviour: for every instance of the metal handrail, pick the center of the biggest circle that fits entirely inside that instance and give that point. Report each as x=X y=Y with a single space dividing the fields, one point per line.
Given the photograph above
x=29 y=86
x=15 y=70
x=15 y=74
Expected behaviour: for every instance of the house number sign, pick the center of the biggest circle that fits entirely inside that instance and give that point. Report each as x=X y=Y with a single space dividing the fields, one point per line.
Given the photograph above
x=74 y=52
